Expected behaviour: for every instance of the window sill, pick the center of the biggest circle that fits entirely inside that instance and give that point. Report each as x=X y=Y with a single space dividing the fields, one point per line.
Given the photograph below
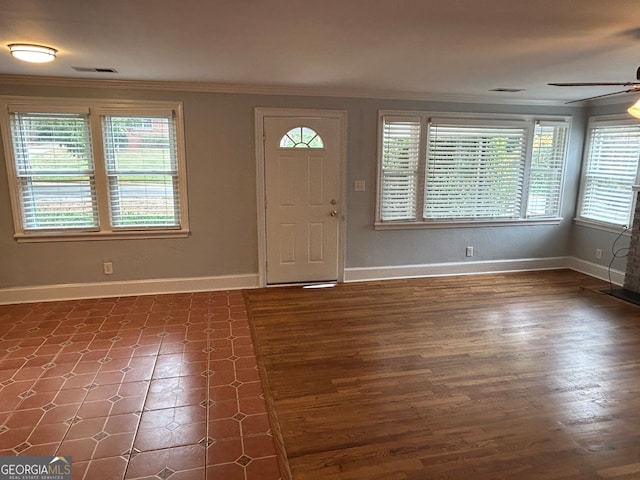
x=607 y=227
x=464 y=224
x=86 y=236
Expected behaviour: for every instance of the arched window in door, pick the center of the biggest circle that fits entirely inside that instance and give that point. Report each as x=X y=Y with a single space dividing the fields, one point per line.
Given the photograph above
x=301 y=137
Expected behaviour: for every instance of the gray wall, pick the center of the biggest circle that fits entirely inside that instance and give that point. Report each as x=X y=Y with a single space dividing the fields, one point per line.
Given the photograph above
x=219 y=132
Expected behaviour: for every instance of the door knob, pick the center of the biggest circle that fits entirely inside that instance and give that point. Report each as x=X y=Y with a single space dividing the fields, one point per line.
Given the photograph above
x=333 y=213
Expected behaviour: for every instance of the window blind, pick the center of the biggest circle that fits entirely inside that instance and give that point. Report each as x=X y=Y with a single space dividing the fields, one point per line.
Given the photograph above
x=400 y=164
x=55 y=172
x=474 y=171
x=142 y=171
x=611 y=169
x=547 y=169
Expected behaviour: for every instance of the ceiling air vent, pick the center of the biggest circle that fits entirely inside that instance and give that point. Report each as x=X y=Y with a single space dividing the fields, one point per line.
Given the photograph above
x=95 y=70
x=507 y=90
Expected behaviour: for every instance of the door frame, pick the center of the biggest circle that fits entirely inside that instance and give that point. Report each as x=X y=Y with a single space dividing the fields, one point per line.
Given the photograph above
x=260 y=114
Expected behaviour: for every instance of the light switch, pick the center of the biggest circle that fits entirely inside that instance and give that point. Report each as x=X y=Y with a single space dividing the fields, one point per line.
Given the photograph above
x=359 y=185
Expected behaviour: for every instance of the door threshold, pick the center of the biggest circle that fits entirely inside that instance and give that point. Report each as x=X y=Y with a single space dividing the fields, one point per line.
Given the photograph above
x=320 y=284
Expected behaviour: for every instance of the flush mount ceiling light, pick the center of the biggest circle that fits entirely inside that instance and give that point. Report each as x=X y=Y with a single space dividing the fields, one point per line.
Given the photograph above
x=634 y=109
x=32 y=53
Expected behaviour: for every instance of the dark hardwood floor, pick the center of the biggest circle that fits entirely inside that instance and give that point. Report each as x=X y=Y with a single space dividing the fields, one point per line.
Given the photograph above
x=512 y=376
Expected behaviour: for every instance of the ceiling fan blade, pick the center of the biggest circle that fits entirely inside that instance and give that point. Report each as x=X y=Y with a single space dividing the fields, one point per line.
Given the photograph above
x=594 y=84
x=605 y=95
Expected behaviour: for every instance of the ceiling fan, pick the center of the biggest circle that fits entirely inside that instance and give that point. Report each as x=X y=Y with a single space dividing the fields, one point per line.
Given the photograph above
x=633 y=87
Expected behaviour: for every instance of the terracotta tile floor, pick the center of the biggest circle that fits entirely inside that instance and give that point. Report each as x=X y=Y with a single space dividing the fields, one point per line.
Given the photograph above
x=151 y=387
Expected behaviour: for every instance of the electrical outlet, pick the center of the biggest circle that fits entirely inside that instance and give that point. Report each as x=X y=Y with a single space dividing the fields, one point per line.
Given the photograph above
x=598 y=253
x=108 y=268
x=469 y=252
x=359 y=186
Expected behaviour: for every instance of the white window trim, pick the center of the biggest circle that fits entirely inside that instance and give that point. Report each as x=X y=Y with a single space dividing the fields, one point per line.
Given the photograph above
x=404 y=225
x=96 y=107
x=461 y=116
x=614 y=119
x=605 y=227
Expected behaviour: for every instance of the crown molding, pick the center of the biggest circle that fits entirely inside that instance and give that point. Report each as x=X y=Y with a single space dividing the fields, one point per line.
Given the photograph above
x=623 y=100
x=287 y=90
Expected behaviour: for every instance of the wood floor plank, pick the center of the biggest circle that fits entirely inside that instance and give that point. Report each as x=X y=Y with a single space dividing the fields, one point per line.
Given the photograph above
x=527 y=375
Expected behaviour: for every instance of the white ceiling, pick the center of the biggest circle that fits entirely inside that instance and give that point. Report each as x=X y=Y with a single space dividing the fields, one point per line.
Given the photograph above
x=451 y=48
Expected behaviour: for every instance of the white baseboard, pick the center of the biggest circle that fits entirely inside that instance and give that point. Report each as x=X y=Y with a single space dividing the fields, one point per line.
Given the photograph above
x=78 y=291
x=455 y=268
x=598 y=271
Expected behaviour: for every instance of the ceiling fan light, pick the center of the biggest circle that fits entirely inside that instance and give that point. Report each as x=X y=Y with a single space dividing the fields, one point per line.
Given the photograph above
x=32 y=53
x=634 y=110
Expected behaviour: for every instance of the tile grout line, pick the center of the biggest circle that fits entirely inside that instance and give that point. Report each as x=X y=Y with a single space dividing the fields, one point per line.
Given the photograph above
x=132 y=452
x=208 y=438
x=235 y=376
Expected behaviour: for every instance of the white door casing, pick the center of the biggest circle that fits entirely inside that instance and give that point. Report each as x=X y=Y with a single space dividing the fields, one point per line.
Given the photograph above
x=302 y=198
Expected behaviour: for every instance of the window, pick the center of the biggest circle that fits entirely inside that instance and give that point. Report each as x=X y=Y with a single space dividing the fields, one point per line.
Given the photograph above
x=546 y=170
x=610 y=170
x=95 y=170
x=54 y=171
x=467 y=169
x=301 y=137
x=400 y=161
x=142 y=173
x=474 y=171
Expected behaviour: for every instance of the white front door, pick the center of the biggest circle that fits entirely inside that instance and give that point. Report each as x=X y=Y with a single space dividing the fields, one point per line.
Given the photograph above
x=302 y=158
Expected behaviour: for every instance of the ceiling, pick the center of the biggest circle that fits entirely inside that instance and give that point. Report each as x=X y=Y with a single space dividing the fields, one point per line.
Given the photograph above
x=397 y=48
